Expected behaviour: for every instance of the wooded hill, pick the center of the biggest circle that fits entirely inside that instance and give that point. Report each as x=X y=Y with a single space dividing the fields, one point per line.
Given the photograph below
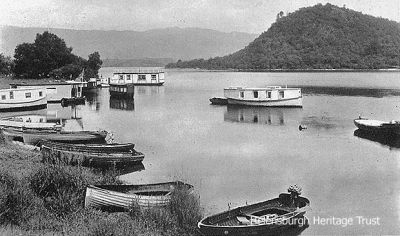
x=318 y=37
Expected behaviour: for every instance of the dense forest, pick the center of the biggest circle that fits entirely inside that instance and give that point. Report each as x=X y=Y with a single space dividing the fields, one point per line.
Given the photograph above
x=318 y=37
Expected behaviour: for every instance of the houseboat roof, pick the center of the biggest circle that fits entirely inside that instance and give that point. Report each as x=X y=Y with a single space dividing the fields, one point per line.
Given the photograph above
x=264 y=88
x=139 y=70
x=46 y=84
x=18 y=89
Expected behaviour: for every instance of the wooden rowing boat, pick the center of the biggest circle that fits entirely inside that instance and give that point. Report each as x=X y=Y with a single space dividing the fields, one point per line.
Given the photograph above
x=264 y=218
x=95 y=148
x=121 y=197
x=35 y=136
x=377 y=126
x=96 y=155
x=28 y=122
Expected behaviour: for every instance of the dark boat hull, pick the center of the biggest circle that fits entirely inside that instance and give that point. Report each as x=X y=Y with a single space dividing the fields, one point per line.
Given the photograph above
x=149 y=84
x=91 y=155
x=122 y=90
x=226 y=223
x=34 y=137
x=384 y=128
x=219 y=101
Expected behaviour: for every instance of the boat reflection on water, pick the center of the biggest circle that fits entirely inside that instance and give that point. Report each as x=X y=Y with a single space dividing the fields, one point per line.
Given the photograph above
x=149 y=90
x=391 y=141
x=123 y=170
x=122 y=103
x=93 y=101
x=260 y=115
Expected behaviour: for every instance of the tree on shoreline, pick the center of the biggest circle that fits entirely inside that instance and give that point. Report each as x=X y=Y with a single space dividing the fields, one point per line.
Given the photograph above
x=6 y=65
x=92 y=66
x=49 y=56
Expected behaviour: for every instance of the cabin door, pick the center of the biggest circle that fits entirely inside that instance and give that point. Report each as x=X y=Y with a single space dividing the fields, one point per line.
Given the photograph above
x=73 y=92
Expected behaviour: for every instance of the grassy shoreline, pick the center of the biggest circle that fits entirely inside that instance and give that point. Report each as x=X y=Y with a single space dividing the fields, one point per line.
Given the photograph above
x=42 y=199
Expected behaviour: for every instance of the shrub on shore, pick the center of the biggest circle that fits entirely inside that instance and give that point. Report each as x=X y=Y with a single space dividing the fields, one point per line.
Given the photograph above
x=49 y=199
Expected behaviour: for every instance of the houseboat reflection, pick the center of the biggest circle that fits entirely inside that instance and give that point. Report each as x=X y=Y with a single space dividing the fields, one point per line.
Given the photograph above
x=391 y=141
x=122 y=103
x=260 y=115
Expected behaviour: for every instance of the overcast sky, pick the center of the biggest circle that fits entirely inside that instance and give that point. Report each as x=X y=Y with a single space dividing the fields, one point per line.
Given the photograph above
x=253 y=16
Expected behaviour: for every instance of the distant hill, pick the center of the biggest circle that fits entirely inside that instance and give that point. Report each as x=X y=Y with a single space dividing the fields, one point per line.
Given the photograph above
x=174 y=43
x=318 y=37
x=141 y=62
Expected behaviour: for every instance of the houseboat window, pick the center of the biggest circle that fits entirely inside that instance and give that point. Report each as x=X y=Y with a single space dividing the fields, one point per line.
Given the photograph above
x=281 y=94
x=268 y=94
x=121 y=77
x=79 y=89
x=255 y=94
x=28 y=95
x=3 y=97
x=11 y=95
x=128 y=77
x=41 y=120
x=40 y=93
x=153 y=77
x=141 y=77
x=242 y=94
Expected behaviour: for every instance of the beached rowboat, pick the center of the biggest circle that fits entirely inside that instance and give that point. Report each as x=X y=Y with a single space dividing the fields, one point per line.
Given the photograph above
x=121 y=197
x=97 y=155
x=270 y=217
x=34 y=136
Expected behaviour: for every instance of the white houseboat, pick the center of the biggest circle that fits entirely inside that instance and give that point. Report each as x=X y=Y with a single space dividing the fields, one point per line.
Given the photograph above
x=139 y=76
x=270 y=96
x=56 y=91
x=22 y=99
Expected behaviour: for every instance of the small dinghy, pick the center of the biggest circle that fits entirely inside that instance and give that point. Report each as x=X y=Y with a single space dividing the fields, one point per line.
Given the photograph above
x=35 y=136
x=219 y=101
x=264 y=218
x=377 y=126
x=94 y=155
x=121 y=197
x=28 y=122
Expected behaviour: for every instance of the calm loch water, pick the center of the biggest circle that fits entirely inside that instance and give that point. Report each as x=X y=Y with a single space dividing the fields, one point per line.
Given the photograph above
x=242 y=155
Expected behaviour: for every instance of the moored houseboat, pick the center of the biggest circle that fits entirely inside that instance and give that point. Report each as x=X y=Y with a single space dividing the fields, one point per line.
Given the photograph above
x=122 y=90
x=139 y=76
x=56 y=91
x=91 y=86
x=19 y=99
x=270 y=96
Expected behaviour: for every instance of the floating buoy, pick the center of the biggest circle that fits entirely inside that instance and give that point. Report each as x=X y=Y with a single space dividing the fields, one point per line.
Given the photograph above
x=301 y=127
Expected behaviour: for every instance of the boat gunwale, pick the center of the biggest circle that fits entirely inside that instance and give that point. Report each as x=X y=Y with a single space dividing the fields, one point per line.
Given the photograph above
x=268 y=101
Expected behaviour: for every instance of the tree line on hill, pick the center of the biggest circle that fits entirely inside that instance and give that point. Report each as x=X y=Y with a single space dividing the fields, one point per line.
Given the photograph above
x=49 y=57
x=318 y=37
